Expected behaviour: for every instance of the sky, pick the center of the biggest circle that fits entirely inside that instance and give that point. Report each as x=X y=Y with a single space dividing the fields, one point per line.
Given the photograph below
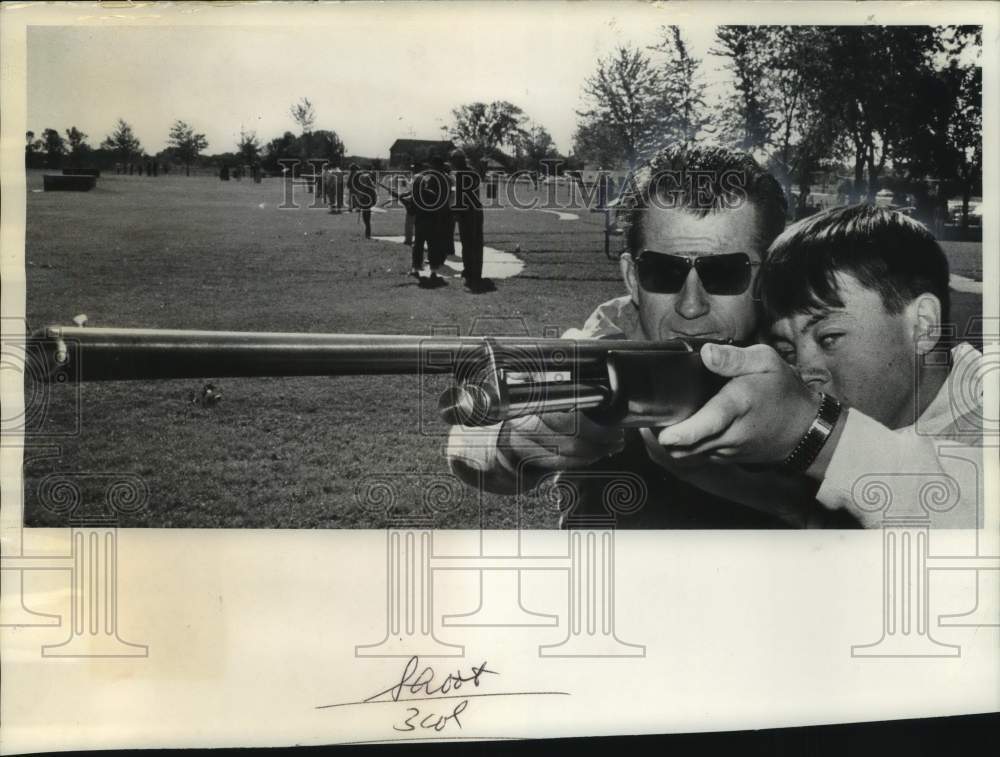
x=374 y=73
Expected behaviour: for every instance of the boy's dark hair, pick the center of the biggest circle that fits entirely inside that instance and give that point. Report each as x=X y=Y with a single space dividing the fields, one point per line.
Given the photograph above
x=884 y=250
x=700 y=180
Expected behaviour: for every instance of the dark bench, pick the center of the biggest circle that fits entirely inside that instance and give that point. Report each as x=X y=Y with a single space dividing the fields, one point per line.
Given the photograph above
x=58 y=183
x=81 y=172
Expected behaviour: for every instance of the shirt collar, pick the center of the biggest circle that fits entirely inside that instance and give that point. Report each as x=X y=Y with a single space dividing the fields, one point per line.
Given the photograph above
x=961 y=395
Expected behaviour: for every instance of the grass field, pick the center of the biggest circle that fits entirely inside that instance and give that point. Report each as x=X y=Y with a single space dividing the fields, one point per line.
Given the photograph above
x=176 y=252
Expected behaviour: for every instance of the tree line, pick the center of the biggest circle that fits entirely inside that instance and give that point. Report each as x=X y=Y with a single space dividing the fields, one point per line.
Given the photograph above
x=486 y=130
x=896 y=107
x=52 y=150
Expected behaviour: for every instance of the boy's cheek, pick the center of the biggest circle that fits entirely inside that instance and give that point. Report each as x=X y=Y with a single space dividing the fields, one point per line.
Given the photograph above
x=859 y=385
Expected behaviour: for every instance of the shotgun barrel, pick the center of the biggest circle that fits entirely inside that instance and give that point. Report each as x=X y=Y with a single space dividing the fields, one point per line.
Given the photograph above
x=618 y=381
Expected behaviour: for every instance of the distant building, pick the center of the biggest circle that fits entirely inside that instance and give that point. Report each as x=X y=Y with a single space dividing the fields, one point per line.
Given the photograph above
x=405 y=152
x=494 y=166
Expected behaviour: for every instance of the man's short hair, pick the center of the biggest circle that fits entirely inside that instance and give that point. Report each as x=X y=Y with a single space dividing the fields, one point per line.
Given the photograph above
x=700 y=180
x=886 y=251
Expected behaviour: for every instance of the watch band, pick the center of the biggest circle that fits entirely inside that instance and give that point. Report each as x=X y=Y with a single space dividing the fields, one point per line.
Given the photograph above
x=819 y=431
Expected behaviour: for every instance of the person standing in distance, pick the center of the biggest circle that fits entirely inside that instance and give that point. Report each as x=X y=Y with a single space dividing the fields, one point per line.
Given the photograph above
x=432 y=222
x=468 y=210
x=363 y=195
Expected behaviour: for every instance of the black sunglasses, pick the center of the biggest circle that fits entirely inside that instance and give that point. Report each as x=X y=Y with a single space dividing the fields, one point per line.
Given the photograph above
x=663 y=273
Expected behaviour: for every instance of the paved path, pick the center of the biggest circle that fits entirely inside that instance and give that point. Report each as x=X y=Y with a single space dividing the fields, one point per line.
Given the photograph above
x=562 y=215
x=965 y=284
x=497 y=264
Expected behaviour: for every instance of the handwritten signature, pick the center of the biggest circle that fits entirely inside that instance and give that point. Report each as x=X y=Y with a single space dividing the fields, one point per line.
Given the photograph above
x=423 y=685
x=422 y=682
x=433 y=720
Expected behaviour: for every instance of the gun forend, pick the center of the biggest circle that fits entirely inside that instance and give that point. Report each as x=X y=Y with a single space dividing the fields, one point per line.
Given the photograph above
x=618 y=381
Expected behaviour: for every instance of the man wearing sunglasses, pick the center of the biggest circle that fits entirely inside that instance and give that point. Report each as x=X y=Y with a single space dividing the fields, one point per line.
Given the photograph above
x=698 y=221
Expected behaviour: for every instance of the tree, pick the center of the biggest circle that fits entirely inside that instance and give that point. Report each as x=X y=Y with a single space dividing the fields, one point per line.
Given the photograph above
x=966 y=133
x=33 y=155
x=325 y=144
x=680 y=109
x=123 y=142
x=805 y=96
x=744 y=118
x=598 y=142
x=304 y=114
x=870 y=77
x=310 y=145
x=248 y=146
x=278 y=149
x=77 y=142
x=55 y=147
x=801 y=136
x=535 y=145
x=186 y=143
x=778 y=74
x=485 y=128
x=945 y=141
x=622 y=96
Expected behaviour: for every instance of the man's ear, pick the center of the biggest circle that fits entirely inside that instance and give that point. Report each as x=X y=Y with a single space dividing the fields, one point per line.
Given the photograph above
x=925 y=318
x=631 y=278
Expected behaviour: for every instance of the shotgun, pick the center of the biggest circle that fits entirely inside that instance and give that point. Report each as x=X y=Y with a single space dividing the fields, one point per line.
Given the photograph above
x=615 y=381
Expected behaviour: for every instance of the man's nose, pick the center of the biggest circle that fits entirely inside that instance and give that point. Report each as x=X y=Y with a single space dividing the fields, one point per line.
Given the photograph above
x=692 y=301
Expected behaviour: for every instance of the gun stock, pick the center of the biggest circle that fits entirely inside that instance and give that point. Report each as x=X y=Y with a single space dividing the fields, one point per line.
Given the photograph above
x=623 y=382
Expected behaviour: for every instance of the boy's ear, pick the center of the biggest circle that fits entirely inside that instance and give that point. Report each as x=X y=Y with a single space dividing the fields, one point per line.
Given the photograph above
x=925 y=315
x=631 y=277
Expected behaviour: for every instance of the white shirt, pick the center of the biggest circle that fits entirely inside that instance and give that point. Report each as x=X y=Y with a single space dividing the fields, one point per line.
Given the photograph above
x=930 y=470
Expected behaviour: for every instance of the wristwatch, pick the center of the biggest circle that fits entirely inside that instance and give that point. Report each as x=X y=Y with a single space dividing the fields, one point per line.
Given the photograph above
x=819 y=431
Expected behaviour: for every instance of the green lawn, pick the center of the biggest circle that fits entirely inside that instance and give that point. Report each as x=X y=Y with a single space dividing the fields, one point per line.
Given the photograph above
x=176 y=252
x=197 y=253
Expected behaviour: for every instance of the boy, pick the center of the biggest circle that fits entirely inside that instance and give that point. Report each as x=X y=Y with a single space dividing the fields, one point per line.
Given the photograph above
x=854 y=301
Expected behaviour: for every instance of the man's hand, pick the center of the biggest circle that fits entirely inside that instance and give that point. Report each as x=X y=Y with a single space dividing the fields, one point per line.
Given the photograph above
x=758 y=417
x=558 y=441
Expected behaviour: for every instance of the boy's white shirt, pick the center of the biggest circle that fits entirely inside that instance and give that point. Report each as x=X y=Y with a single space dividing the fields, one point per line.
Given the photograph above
x=939 y=455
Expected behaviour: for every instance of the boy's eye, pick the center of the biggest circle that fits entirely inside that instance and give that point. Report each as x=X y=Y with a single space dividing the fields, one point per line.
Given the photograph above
x=785 y=351
x=829 y=341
